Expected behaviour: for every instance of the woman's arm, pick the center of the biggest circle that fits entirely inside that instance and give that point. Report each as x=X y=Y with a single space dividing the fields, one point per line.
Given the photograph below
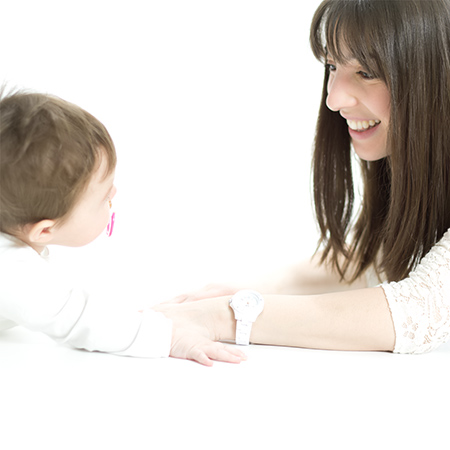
x=409 y=316
x=307 y=277
x=351 y=320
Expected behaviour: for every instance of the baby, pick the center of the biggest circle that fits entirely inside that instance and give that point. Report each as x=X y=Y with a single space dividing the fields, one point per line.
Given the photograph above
x=57 y=166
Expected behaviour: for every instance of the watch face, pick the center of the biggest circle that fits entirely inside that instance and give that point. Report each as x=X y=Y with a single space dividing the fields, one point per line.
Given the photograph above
x=246 y=301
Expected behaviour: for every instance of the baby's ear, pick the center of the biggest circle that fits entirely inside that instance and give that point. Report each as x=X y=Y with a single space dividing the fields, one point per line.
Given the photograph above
x=40 y=232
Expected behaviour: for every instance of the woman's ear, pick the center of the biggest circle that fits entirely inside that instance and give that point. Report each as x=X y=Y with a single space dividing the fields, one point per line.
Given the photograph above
x=40 y=232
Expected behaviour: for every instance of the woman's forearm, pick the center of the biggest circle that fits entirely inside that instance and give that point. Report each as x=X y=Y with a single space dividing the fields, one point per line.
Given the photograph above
x=309 y=277
x=350 y=320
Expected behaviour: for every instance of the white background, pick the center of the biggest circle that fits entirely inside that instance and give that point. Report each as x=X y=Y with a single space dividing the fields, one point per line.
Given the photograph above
x=212 y=107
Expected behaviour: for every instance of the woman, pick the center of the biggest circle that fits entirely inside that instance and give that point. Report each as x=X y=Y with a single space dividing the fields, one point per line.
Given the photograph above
x=386 y=96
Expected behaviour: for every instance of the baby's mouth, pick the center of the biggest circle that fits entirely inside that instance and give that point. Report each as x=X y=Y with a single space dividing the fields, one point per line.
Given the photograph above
x=362 y=125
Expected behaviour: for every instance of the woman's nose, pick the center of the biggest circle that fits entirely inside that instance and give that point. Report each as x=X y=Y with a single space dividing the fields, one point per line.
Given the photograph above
x=341 y=92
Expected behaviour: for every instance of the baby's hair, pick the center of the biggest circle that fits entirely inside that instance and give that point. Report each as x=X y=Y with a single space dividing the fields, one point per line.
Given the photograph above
x=49 y=150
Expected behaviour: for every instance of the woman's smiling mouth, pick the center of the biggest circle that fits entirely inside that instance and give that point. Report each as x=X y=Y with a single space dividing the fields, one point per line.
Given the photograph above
x=362 y=125
x=362 y=129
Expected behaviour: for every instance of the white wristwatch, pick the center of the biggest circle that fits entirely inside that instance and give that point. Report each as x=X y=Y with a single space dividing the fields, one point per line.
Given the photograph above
x=247 y=306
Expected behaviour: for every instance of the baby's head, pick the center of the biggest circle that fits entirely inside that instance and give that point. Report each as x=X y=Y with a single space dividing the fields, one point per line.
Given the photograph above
x=56 y=161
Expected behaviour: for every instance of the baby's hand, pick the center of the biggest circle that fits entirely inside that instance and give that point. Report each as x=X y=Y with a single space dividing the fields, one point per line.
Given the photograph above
x=193 y=335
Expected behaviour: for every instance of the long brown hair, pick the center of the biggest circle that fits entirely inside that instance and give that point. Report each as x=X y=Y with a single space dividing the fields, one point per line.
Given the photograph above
x=406 y=200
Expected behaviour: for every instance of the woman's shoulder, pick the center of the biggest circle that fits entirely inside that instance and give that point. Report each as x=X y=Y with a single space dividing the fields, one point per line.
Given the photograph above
x=445 y=239
x=439 y=253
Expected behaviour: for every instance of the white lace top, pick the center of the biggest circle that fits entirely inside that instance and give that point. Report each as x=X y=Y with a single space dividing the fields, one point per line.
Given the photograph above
x=420 y=304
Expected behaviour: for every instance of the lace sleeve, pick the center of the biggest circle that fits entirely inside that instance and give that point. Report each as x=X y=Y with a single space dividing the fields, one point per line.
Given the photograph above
x=420 y=304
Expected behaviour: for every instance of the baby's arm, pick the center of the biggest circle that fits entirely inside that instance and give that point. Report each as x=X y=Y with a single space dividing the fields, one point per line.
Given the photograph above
x=37 y=295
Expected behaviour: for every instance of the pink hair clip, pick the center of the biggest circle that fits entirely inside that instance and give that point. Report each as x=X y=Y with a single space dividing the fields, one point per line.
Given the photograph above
x=110 y=227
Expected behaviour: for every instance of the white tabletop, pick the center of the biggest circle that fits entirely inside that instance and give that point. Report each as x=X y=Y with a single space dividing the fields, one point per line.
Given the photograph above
x=283 y=398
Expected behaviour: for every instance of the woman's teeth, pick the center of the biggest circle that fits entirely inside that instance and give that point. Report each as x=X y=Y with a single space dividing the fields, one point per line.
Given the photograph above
x=362 y=125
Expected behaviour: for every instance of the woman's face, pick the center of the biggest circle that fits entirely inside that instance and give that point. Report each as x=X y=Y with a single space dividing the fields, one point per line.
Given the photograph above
x=364 y=101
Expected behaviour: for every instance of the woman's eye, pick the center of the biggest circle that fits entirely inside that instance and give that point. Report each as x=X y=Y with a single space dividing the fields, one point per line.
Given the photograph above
x=330 y=67
x=366 y=75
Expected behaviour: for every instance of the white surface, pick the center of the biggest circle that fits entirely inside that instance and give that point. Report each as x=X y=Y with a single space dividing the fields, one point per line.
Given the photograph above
x=56 y=398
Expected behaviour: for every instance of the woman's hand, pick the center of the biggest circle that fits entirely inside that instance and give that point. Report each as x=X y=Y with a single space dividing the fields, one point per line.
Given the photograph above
x=194 y=333
x=209 y=291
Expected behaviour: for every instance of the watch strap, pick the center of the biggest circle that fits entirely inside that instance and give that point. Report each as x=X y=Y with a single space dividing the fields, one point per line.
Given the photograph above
x=243 y=330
